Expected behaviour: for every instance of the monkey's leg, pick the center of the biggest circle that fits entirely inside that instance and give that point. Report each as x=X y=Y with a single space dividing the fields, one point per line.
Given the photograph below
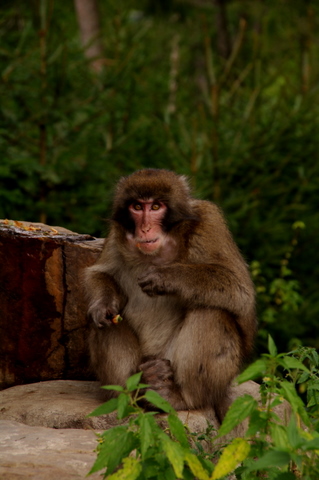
x=206 y=357
x=115 y=353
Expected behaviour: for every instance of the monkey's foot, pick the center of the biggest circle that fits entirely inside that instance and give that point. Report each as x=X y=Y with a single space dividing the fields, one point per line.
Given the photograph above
x=158 y=374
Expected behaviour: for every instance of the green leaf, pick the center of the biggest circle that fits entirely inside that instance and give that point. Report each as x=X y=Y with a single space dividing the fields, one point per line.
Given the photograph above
x=255 y=370
x=159 y=402
x=315 y=386
x=122 y=404
x=285 y=476
x=289 y=393
x=273 y=458
x=271 y=346
x=232 y=455
x=258 y=422
x=133 y=381
x=195 y=465
x=117 y=388
x=175 y=454
x=131 y=470
x=107 y=407
x=294 y=438
x=240 y=409
x=312 y=444
x=147 y=426
x=177 y=429
x=279 y=435
x=118 y=442
x=292 y=363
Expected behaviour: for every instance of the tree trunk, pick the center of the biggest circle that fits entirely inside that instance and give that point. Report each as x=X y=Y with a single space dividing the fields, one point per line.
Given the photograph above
x=89 y=24
x=223 y=40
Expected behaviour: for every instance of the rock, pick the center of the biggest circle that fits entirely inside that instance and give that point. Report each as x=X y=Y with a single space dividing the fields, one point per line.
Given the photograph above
x=37 y=450
x=55 y=404
x=40 y=453
x=43 y=311
x=66 y=404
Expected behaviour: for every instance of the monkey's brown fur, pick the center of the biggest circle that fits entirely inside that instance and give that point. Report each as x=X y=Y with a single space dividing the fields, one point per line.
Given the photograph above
x=188 y=310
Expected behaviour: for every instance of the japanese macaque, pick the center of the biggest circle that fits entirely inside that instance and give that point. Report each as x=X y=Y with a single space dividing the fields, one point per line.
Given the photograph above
x=172 y=271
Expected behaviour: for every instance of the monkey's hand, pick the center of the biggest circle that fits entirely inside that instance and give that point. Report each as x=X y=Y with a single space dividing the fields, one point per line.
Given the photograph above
x=103 y=314
x=156 y=281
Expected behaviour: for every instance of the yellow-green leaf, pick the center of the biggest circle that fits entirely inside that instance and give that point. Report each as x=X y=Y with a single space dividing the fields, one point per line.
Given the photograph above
x=232 y=455
x=195 y=466
x=130 y=471
x=174 y=454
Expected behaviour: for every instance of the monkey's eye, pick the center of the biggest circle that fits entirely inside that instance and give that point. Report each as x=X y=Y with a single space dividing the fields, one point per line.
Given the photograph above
x=137 y=206
x=155 y=206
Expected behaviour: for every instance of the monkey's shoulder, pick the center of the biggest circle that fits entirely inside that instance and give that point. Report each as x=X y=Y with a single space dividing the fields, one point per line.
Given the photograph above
x=208 y=211
x=211 y=220
x=211 y=237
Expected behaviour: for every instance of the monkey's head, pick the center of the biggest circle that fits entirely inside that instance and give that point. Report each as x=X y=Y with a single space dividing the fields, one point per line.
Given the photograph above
x=148 y=204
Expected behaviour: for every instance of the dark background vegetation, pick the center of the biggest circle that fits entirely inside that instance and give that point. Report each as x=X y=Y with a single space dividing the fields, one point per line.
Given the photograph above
x=225 y=92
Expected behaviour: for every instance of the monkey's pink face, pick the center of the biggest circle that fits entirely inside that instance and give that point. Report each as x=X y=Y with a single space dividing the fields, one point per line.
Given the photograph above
x=147 y=216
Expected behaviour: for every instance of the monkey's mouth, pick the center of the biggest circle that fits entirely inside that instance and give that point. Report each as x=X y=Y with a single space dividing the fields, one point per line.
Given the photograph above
x=148 y=246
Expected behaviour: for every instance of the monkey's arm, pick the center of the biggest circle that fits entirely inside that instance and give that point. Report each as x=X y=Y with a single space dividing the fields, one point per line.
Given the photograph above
x=105 y=297
x=201 y=285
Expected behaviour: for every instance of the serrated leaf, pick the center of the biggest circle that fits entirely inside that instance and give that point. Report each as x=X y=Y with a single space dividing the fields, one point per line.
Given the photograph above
x=257 y=423
x=174 y=453
x=240 y=409
x=312 y=444
x=118 y=442
x=315 y=386
x=295 y=440
x=271 y=346
x=147 y=426
x=285 y=476
x=275 y=458
x=130 y=471
x=122 y=404
x=117 y=388
x=107 y=407
x=291 y=362
x=195 y=465
x=177 y=429
x=155 y=399
x=279 y=435
x=289 y=393
x=133 y=381
x=232 y=455
x=255 y=370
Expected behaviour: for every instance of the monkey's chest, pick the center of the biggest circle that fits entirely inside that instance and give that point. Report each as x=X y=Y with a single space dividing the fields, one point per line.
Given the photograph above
x=155 y=322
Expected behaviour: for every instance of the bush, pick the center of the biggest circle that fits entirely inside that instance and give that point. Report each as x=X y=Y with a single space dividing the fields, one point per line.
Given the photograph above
x=271 y=447
x=245 y=128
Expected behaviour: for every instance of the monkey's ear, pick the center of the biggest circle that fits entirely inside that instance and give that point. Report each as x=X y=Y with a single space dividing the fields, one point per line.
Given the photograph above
x=185 y=182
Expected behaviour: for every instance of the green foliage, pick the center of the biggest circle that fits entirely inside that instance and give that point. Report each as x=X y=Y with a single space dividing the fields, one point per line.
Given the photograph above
x=141 y=448
x=245 y=128
x=272 y=447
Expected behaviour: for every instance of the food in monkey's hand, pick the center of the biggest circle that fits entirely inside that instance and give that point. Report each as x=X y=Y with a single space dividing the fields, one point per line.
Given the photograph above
x=116 y=319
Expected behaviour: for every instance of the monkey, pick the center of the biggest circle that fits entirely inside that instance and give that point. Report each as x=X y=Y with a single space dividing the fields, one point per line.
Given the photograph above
x=171 y=269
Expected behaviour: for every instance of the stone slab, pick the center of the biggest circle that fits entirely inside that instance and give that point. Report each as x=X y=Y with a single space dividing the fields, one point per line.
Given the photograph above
x=55 y=404
x=40 y=453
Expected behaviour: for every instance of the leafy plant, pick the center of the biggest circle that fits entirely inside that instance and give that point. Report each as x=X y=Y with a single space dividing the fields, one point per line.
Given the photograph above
x=278 y=291
x=272 y=447
x=141 y=448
